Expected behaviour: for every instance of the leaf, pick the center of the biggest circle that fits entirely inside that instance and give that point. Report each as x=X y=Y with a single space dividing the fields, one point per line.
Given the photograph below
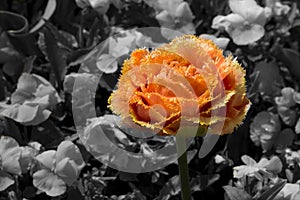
x=285 y=139
x=13 y=67
x=2 y=89
x=29 y=192
x=50 y=8
x=290 y=58
x=55 y=55
x=128 y=177
x=47 y=133
x=7 y=20
x=202 y=181
x=236 y=194
x=12 y=130
x=171 y=188
x=82 y=3
x=271 y=193
x=268 y=78
x=75 y=194
x=7 y=51
x=29 y=63
x=67 y=39
x=17 y=28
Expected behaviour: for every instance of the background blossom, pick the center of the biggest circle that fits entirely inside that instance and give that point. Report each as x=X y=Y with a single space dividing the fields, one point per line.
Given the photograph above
x=10 y=153
x=58 y=169
x=264 y=129
x=246 y=24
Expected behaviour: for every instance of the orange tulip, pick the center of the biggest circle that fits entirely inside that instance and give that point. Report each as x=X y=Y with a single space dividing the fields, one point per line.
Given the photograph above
x=186 y=83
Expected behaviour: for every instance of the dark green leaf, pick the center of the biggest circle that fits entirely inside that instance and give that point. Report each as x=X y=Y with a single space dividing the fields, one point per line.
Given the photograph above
x=2 y=88
x=271 y=193
x=29 y=192
x=55 y=56
x=285 y=138
x=13 y=23
x=267 y=79
x=13 y=67
x=75 y=194
x=203 y=181
x=17 y=28
x=291 y=59
x=28 y=65
x=127 y=177
x=48 y=134
x=171 y=188
x=50 y=8
x=11 y=129
x=234 y=193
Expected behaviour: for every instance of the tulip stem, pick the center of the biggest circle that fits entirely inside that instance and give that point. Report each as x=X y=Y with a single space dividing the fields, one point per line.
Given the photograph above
x=183 y=168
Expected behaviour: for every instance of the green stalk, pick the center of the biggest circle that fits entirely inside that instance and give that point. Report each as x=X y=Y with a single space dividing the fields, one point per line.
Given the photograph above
x=183 y=168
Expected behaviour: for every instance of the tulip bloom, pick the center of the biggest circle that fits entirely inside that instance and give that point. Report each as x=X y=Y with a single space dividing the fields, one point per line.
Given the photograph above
x=164 y=91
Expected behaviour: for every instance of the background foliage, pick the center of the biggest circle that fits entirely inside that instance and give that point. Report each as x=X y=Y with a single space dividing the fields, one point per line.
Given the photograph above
x=43 y=44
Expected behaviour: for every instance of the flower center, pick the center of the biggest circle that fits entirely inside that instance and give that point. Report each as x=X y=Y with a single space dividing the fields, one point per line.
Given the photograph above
x=247 y=25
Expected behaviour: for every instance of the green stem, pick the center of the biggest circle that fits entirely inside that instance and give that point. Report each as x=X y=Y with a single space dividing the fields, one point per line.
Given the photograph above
x=183 y=168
